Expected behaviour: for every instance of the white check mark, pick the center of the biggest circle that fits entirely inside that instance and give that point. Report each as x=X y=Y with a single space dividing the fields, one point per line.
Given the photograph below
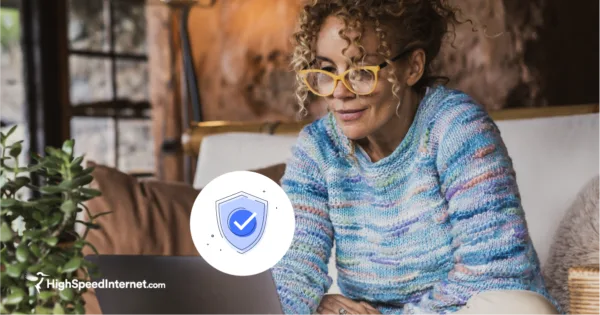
x=241 y=227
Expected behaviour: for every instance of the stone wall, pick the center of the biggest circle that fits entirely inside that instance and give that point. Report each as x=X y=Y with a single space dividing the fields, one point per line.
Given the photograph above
x=241 y=48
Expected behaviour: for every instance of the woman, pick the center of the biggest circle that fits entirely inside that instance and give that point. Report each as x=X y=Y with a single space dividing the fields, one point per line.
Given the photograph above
x=410 y=179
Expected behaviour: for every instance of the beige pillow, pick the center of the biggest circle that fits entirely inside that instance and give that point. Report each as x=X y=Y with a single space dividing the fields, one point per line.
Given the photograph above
x=575 y=243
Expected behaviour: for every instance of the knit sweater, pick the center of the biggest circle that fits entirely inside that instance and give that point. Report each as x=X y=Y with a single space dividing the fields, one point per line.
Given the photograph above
x=419 y=231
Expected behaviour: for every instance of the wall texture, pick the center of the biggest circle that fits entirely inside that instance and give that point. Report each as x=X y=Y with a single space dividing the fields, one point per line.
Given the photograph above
x=530 y=53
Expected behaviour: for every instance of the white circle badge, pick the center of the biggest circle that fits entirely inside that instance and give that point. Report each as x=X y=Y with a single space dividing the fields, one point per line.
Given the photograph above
x=242 y=223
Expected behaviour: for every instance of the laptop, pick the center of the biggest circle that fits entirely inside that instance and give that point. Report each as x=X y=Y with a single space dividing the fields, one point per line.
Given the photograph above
x=183 y=285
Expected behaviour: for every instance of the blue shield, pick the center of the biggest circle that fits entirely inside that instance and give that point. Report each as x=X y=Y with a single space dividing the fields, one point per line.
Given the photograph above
x=242 y=219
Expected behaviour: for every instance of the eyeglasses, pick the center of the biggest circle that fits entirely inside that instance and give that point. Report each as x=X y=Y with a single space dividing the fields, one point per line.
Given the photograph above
x=358 y=80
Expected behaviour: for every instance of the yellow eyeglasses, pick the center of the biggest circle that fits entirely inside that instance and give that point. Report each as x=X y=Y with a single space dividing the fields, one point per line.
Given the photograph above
x=358 y=80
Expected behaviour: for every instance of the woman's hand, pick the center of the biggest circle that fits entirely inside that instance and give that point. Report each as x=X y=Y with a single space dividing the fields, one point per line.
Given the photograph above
x=339 y=304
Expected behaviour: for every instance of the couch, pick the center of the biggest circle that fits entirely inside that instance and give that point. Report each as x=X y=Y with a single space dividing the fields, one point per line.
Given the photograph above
x=554 y=157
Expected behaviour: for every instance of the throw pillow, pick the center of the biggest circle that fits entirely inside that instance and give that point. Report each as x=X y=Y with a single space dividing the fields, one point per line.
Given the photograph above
x=575 y=243
x=148 y=217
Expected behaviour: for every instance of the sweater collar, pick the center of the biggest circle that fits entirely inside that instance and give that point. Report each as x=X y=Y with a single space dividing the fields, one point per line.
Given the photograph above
x=350 y=150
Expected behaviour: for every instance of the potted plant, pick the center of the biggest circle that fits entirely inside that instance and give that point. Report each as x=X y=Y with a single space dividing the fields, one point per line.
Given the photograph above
x=38 y=237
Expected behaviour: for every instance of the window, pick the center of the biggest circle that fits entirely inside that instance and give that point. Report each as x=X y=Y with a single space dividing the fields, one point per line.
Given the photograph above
x=12 y=86
x=110 y=112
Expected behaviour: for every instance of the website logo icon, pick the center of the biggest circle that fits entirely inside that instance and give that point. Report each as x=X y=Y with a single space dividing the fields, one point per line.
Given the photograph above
x=242 y=219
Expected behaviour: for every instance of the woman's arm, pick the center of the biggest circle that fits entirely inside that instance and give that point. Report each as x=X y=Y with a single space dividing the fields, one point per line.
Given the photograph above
x=491 y=245
x=301 y=276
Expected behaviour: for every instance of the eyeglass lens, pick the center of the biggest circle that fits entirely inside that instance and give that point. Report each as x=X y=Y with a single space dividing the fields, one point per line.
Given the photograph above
x=360 y=81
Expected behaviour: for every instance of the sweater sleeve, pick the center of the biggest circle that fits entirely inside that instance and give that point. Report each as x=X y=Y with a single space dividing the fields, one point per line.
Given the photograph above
x=490 y=241
x=301 y=276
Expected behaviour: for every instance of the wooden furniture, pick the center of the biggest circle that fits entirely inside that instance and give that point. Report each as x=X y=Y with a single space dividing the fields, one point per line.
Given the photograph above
x=584 y=290
x=192 y=137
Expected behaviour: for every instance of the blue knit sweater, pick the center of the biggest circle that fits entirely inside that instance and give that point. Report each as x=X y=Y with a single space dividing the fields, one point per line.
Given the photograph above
x=419 y=231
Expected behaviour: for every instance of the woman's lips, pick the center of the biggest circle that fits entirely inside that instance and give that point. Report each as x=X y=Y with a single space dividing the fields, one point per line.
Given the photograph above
x=350 y=115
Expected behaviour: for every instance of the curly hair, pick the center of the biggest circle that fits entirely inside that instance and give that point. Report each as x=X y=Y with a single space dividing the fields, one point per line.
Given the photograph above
x=416 y=24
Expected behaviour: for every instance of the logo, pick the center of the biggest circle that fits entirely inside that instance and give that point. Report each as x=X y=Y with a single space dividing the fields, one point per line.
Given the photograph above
x=242 y=223
x=39 y=278
x=242 y=218
x=84 y=284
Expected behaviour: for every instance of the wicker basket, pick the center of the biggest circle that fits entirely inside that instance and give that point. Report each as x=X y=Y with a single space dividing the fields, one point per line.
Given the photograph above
x=584 y=290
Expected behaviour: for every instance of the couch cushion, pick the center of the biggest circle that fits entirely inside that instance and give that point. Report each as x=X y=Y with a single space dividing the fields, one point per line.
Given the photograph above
x=575 y=243
x=236 y=151
x=149 y=217
x=553 y=159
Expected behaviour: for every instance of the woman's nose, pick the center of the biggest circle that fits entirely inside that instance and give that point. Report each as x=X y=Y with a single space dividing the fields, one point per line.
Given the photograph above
x=341 y=91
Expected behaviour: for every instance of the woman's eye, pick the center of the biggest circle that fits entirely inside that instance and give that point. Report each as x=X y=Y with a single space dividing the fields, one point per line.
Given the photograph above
x=328 y=69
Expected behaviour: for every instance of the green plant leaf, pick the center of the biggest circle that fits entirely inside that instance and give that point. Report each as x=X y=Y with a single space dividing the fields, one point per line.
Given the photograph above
x=6 y=233
x=35 y=250
x=37 y=215
x=67 y=184
x=82 y=180
x=79 y=309
x=15 y=297
x=32 y=234
x=3 y=180
x=31 y=168
x=10 y=131
x=87 y=171
x=66 y=294
x=50 y=200
x=56 y=153
x=92 y=247
x=68 y=147
x=52 y=189
x=15 y=144
x=72 y=265
x=34 y=268
x=90 y=192
x=22 y=253
x=90 y=225
x=49 y=269
x=68 y=207
x=52 y=241
x=8 y=202
x=42 y=310
x=55 y=219
x=14 y=270
x=76 y=162
x=21 y=181
x=15 y=150
x=35 y=156
x=3 y=257
x=44 y=295
x=57 y=259
x=58 y=309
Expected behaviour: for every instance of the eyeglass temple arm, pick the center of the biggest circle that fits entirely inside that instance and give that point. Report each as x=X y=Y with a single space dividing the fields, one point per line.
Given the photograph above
x=400 y=55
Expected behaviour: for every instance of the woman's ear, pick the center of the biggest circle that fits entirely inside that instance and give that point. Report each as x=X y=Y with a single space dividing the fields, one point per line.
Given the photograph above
x=415 y=67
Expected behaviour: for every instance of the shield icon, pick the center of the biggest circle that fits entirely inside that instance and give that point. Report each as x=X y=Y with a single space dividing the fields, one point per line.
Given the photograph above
x=242 y=219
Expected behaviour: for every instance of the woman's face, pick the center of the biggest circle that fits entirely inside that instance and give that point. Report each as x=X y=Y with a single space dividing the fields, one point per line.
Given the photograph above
x=358 y=117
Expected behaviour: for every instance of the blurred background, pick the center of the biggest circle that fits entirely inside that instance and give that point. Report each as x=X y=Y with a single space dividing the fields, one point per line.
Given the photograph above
x=127 y=78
